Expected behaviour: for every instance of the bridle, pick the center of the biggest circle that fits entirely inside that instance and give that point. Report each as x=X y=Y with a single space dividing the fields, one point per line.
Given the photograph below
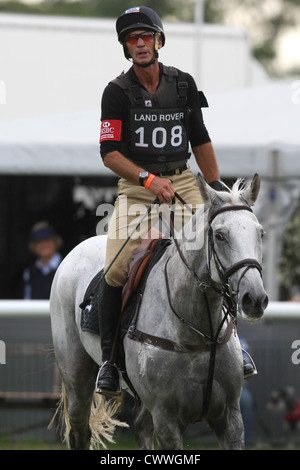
x=224 y=289
x=226 y=273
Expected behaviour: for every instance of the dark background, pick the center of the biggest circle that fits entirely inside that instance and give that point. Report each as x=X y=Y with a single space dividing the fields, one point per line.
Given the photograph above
x=25 y=200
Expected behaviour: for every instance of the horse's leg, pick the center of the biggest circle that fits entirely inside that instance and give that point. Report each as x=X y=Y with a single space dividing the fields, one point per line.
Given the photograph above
x=143 y=427
x=230 y=429
x=79 y=394
x=167 y=431
x=78 y=372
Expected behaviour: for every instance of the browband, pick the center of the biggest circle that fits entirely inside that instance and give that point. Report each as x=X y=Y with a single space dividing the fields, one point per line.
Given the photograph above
x=229 y=208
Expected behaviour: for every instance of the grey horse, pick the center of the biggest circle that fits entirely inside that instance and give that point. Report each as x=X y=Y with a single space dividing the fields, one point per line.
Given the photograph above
x=196 y=373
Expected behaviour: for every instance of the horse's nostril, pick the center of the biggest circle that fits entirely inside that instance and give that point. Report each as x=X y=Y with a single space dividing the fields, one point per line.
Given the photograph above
x=254 y=306
x=265 y=302
x=246 y=301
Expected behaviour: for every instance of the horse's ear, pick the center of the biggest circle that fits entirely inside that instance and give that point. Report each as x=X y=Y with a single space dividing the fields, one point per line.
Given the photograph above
x=207 y=193
x=251 y=193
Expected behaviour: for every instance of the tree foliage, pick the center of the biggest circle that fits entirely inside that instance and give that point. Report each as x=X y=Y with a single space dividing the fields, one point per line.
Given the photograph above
x=290 y=258
x=90 y=8
x=265 y=23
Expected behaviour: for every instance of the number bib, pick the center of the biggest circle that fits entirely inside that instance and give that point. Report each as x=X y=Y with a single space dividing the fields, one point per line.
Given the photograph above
x=158 y=133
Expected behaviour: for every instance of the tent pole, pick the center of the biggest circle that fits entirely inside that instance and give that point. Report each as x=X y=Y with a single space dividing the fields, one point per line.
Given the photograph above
x=199 y=18
x=273 y=244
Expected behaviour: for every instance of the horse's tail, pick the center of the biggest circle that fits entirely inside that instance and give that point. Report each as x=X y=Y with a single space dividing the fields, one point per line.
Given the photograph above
x=102 y=420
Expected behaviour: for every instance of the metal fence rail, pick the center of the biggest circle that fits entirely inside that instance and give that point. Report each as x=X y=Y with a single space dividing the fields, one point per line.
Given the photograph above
x=29 y=380
x=274 y=311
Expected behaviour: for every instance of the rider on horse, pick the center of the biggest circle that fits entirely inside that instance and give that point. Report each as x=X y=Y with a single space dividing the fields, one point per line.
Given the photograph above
x=149 y=117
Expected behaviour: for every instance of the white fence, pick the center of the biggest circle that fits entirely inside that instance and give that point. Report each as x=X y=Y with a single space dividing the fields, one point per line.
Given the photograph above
x=274 y=311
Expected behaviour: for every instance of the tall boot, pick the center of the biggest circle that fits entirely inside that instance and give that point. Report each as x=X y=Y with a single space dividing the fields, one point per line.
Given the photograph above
x=110 y=300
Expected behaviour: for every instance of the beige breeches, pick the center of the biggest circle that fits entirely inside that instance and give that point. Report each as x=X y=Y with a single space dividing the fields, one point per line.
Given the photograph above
x=130 y=206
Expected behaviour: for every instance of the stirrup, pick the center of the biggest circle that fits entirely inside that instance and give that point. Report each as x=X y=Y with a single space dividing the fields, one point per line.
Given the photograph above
x=251 y=362
x=106 y=391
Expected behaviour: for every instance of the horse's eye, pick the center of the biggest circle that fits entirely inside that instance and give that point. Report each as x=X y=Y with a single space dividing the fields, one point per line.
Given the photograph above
x=219 y=236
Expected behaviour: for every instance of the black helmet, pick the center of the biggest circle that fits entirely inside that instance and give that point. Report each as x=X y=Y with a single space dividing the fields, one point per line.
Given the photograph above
x=139 y=18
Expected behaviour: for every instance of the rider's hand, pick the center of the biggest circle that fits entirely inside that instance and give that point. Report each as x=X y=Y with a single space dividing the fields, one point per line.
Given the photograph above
x=162 y=188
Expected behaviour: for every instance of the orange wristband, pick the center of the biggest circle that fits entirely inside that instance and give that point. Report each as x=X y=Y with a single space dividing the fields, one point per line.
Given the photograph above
x=149 y=180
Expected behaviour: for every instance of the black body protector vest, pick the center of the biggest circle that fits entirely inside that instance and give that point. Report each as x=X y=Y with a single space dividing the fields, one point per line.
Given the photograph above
x=158 y=124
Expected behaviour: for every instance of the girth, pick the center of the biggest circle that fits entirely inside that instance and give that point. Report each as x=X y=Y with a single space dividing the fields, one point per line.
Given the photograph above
x=169 y=345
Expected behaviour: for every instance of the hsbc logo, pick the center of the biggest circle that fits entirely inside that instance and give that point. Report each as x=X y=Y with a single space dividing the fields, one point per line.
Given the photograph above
x=110 y=130
x=106 y=128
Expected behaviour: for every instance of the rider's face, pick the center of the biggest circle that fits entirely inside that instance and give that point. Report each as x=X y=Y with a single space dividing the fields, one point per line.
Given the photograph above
x=141 y=49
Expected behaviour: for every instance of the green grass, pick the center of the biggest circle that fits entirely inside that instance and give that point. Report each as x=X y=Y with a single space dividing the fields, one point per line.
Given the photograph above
x=122 y=442
x=7 y=443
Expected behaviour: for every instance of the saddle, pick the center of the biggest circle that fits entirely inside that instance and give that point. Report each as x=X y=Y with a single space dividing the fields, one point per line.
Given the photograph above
x=143 y=259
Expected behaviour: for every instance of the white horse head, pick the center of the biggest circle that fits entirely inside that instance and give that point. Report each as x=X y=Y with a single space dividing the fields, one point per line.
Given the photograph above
x=236 y=235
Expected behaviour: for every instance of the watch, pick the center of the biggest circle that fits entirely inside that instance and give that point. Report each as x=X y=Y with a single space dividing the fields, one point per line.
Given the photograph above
x=143 y=176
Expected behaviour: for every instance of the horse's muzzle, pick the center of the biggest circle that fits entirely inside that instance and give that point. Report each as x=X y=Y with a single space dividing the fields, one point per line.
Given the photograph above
x=254 y=304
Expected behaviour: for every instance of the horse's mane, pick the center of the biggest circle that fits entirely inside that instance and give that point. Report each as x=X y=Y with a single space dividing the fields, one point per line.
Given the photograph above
x=235 y=193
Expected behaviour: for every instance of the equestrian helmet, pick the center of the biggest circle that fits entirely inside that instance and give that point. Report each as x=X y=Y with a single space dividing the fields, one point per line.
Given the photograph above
x=138 y=18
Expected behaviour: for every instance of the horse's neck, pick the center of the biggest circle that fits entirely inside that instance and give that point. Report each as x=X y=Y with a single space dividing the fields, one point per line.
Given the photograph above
x=199 y=304
x=193 y=242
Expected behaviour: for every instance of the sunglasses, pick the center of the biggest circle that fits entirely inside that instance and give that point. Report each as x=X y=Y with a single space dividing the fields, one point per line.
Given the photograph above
x=146 y=37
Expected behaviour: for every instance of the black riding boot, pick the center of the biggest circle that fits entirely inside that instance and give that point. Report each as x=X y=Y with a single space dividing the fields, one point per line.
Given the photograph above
x=110 y=300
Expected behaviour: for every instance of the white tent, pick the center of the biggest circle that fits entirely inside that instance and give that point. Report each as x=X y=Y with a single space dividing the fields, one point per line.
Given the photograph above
x=54 y=70
x=253 y=130
x=248 y=125
x=57 y=144
x=58 y=64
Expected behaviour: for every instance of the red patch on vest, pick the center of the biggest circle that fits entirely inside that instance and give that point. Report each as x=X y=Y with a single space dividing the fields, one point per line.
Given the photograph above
x=110 y=130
